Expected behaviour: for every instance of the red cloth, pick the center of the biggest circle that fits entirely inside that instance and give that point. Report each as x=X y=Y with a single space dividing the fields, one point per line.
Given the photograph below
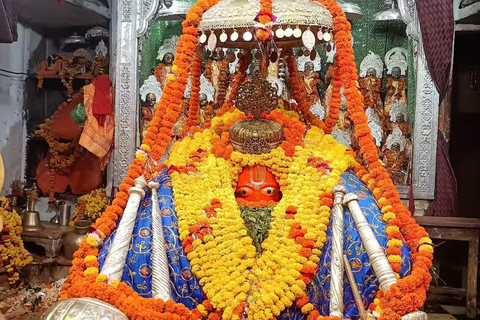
x=8 y=21
x=43 y=177
x=64 y=126
x=446 y=197
x=86 y=174
x=101 y=102
x=437 y=26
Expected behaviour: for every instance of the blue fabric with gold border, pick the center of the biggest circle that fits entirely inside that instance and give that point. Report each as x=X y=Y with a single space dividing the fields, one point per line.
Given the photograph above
x=318 y=291
x=185 y=287
x=138 y=267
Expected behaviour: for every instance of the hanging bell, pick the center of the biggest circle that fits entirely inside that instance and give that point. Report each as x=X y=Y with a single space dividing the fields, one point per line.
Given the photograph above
x=390 y=14
x=352 y=11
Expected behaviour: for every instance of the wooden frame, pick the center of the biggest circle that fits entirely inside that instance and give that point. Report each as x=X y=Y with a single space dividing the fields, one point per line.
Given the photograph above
x=460 y=229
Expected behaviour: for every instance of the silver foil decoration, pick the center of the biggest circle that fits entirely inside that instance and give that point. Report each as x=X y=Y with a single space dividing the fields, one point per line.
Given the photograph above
x=337 y=267
x=378 y=260
x=160 y=275
x=115 y=261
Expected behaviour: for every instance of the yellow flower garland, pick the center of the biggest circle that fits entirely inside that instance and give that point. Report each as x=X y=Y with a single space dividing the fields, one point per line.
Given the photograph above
x=13 y=254
x=225 y=261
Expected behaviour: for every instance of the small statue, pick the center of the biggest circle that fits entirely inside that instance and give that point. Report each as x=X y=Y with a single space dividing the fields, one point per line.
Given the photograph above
x=371 y=70
x=150 y=93
x=80 y=61
x=148 y=111
x=401 y=124
x=166 y=54
x=312 y=83
x=328 y=88
x=164 y=69
x=394 y=158
x=343 y=122
x=204 y=110
x=376 y=128
x=397 y=63
x=217 y=73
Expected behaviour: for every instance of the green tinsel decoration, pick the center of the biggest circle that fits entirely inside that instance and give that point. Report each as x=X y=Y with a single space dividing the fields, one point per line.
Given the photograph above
x=257 y=221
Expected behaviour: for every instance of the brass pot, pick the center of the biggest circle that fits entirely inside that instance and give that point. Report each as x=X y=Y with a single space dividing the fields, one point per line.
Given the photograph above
x=74 y=238
x=83 y=308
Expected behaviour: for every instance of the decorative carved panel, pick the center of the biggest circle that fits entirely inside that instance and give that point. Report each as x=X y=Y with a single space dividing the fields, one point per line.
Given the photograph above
x=126 y=89
x=426 y=114
x=131 y=20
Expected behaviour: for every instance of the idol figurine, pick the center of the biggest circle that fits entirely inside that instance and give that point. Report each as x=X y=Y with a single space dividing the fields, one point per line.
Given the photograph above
x=309 y=70
x=397 y=64
x=150 y=94
x=398 y=117
x=166 y=54
x=394 y=157
x=371 y=72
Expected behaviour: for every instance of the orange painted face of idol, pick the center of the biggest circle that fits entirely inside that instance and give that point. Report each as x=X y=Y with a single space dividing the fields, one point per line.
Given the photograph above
x=257 y=184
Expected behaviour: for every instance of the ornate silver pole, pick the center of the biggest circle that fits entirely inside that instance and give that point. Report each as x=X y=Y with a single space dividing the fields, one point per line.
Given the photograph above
x=336 y=280
x=356 y=293
x=160 y=276
x=378 y=260
x=115 y=261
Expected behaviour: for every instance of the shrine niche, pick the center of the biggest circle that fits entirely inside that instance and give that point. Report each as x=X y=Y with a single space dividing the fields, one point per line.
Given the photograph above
x=222 y=63
x=243 y=211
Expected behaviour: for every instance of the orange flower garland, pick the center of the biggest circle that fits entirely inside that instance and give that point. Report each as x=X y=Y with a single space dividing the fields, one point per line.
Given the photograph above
x=64 y=154
x=239 y=78
x=335 y=101
x=405 y=296
x=222 y=85
x=391 y=89
x=83 y=281
x=264 y=31
x=369 y=102
x=409 y=293
x=194 y=110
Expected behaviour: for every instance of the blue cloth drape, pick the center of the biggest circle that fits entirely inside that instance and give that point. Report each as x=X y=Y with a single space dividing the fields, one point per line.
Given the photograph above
x=185 y=287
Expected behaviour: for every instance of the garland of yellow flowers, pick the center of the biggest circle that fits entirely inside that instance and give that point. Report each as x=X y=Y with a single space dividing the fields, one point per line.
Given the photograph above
x=13 y=254
x=225 y=261
x=83 y=280
x=90 y=206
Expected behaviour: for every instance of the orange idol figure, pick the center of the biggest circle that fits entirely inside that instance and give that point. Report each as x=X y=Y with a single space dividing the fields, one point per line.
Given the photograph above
x=258 y=184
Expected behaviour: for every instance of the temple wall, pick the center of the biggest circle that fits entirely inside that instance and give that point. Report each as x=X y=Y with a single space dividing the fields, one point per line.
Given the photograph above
x=14 y=63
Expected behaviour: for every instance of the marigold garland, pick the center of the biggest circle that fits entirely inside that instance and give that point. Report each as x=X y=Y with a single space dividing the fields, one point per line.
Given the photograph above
x=85 y=281
x=409 y=293
x=265 y=21
x=194 y=109
x=398 y=91
x=304 y=235
x=222 y=85
x=91 y=206
x=335 y=101
x=12 y=252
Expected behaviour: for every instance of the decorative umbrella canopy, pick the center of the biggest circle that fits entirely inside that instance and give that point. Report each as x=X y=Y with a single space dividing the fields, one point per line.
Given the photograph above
x=392 y=13
x=234 y=21
x=352 y=11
